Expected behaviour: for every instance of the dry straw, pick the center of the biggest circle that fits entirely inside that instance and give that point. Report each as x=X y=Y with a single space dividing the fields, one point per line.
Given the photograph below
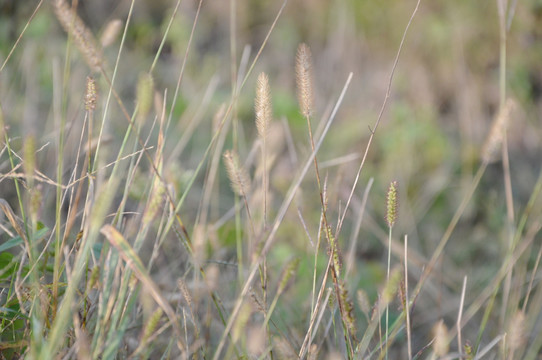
x=81 y=34
x=303 y=71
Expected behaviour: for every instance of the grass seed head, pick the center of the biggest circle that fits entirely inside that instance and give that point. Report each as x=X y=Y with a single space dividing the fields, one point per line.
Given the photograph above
x=391 y=286
x=152 y=323
x=145 y=94
x=240 y=181
x=348 y=308
x=334 y=250
x=111 y=32
x=492 y=145
x=441 y=345
x=262 y=105
x=516 y=331
x=363 y=302
x=81 y=34
x=391 y=204
x=303 y=71
x=289 y=271
x=155 y=202
x=91 y=96
x=184 y=290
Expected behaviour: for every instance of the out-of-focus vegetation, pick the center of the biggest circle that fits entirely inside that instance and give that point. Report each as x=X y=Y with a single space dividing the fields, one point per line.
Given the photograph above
x=446 y=93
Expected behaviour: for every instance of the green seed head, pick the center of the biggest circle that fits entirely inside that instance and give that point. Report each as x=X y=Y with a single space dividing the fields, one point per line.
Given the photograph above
x=391 y=213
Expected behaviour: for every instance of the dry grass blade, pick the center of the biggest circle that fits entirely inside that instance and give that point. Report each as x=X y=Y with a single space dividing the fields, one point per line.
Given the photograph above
x=132 y=259
x=20 y=36
x=12 y=218
x=460 y=316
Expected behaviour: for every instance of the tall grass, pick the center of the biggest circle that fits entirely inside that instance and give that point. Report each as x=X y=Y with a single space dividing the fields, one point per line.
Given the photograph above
x=150 y=223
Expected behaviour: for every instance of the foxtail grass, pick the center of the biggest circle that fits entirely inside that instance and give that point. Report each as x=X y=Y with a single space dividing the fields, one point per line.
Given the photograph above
x=148 y=255
x=83 y=38
x=391 y=217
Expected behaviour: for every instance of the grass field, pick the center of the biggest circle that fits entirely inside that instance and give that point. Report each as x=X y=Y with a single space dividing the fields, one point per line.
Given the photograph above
x=251 y=179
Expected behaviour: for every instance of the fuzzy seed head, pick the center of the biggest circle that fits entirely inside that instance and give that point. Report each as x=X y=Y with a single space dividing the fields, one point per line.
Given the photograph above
x=334 y=250
x=348 y=308
x=184 y=291
x=467 y=349
x=262 y=105
x=81 y=34
x=91 y=96
x=257 y=302
x=517 y=331
x=240 y=181
x=111 y=32
x=94 y=278
x=155 y=202
x=313 y=352
x=391 y=204
x=492 y=145
x=152 y=323
x=441 y=345
x=303 y=71
x=391 y=286
x=363 y=302
x=240 y=325
x=287 y=274
x=145 y=94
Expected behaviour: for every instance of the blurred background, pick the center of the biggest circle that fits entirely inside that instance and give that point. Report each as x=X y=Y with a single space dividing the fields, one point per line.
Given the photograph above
x=444 y=97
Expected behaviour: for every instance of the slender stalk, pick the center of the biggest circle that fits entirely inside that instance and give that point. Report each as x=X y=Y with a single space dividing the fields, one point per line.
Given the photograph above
x=387 y=280
x=407 y=303
x=391 y=217
x=459 y=318
x=502 y=6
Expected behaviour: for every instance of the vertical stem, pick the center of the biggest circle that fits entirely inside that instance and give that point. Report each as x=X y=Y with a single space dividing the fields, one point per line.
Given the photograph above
x=387 y=281
x=503 y=9
x=407 y=303
x=235 y=125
